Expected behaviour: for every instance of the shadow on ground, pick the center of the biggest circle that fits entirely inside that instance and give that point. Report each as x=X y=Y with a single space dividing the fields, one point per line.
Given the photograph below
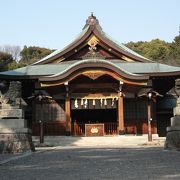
x=53 y=141
x=96 y=163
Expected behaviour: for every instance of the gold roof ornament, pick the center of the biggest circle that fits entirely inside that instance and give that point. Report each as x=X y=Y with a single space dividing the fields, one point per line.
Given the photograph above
x=93 y=41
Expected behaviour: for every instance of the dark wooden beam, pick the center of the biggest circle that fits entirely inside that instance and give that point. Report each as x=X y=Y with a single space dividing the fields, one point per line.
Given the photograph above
x=93 y=85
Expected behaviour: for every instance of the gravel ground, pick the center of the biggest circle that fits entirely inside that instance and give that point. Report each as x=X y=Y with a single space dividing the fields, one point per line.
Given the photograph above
x=4 y=157
x=95 y=164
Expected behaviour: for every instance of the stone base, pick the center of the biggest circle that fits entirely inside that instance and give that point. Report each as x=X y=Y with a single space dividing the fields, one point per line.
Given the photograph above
x=121 y=132
x=11 y=113
x=68 y=133
x=172 y=140
x=13 y=123
x=16 y=143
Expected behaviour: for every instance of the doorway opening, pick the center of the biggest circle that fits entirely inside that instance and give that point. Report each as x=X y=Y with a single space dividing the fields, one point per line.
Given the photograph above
x=80 y=117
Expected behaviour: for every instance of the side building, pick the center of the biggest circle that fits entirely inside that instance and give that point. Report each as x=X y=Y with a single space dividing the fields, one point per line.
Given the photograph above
x=93 y=82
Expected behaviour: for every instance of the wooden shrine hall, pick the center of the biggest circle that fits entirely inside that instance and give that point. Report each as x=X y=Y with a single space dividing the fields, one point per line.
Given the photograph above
x=96 y=86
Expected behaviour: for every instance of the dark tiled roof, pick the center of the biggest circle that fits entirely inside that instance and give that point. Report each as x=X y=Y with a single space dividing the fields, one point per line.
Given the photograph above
x=53 y=69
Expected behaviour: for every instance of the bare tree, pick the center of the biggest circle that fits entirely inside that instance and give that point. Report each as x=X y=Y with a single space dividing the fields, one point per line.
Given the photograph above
x=13 y=50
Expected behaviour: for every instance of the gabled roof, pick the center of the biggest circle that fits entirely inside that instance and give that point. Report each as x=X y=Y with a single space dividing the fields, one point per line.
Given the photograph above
x=92 y=27
x=132 y=69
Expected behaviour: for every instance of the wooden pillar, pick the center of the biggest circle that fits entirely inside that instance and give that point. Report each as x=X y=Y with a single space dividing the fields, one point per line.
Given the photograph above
x=136 y=117
x=68 y=117
x=68 y=112
x=41 y=137
x=149 y=120
x=120 y=114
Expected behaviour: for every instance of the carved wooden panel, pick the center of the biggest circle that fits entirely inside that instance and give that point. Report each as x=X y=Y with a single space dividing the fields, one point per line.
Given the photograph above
x=93 y=74
x=94 y=129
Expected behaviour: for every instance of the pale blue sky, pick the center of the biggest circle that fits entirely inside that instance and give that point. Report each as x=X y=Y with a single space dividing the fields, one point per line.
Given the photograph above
x=54 y=23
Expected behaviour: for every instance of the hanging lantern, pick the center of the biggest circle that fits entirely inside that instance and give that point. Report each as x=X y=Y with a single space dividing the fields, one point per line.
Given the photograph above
x=76 y=103
x=120 y=93
x=94 y=102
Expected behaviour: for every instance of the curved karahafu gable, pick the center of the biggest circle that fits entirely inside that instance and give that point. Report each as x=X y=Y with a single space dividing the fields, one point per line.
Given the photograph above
x=92 y=34
x=86 y=67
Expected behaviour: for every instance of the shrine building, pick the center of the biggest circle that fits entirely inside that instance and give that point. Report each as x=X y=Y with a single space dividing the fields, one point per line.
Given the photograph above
x=96 y=86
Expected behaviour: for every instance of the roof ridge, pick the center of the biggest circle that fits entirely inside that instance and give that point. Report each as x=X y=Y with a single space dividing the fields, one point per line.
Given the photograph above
x=93 y=26
x=122 y=46
x=60 y=50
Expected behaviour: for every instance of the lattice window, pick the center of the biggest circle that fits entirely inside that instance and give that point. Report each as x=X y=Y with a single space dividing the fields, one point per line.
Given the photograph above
x=142 y=110
x=135 y=109
x=129 y=110
x=50 y=111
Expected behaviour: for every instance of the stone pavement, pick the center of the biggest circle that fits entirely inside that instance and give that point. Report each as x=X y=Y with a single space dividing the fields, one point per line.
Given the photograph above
x=121 y=157
x=5 y=158
x=126 y=141
x=64 y=142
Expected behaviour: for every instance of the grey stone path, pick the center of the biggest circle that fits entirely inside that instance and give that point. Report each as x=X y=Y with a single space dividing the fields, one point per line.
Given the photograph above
x=126 y=141
x=95 y=163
